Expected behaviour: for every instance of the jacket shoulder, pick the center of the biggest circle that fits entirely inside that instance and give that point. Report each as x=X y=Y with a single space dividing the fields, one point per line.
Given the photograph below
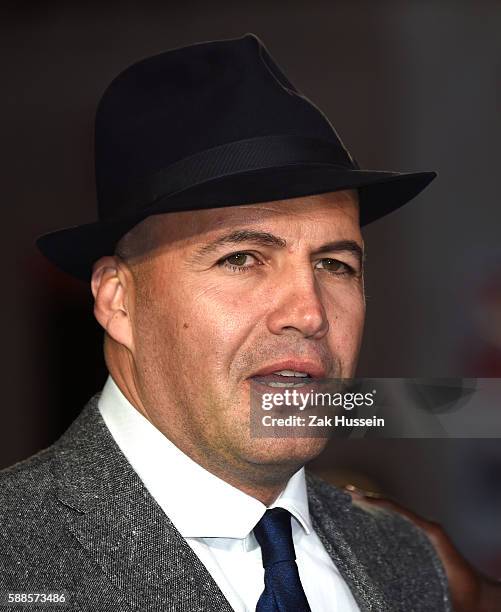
x=25 y=483
x=28 y=526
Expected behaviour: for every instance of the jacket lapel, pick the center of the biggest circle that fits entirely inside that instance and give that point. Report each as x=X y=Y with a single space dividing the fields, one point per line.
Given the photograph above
x=329 y=508
x=122 y=528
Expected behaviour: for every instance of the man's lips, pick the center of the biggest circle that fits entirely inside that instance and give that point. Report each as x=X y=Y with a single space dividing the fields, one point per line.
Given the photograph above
x=314 y=369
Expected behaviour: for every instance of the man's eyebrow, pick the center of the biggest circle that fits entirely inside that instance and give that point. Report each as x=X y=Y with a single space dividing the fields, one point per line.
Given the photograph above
x=239 y=236
x=338 y=246
x=267 y=239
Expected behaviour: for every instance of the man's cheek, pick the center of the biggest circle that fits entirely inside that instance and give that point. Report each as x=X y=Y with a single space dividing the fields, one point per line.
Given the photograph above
x=355 y=326
x=345 y=330
x=225 y=324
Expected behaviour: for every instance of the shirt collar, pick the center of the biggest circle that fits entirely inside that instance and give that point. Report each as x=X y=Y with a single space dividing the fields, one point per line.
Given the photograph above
x=179 y=484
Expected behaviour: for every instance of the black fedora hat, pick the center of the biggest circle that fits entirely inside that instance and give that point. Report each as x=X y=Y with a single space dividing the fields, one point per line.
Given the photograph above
x=209 y=125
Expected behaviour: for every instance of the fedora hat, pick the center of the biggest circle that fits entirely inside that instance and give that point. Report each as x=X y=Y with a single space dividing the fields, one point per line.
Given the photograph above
x=210 y=125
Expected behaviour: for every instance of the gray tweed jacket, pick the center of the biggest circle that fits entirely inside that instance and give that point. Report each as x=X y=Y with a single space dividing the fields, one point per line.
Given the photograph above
x=76 y=517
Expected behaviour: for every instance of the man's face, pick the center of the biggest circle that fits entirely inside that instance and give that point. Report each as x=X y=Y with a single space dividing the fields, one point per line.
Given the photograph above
x=228 y=293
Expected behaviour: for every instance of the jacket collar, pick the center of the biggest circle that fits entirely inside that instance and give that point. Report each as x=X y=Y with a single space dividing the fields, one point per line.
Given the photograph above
x=334 y=521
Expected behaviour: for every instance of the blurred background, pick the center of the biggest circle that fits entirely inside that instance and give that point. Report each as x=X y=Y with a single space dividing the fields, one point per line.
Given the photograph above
x=408 y=86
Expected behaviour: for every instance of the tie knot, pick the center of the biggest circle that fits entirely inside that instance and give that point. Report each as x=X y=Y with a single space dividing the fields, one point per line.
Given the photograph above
x=274 y=534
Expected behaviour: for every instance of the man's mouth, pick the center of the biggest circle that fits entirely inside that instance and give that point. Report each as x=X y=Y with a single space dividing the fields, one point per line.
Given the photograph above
x=289 y=372
x=283 y=378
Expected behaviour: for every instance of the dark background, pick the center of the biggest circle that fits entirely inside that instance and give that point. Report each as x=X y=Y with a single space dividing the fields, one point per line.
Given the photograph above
x=408 y=85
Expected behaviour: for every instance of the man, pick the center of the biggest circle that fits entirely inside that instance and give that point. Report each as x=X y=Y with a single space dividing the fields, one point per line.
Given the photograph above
x=228 y=247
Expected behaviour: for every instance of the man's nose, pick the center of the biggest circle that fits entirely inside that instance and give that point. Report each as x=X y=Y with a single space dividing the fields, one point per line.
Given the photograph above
x=297 y=305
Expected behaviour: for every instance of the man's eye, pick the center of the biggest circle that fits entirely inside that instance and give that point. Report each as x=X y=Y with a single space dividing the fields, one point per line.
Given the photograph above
x=239 y=262
x=336 y=267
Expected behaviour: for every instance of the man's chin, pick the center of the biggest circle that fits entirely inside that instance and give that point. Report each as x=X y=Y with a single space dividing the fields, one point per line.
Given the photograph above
x=285 y=451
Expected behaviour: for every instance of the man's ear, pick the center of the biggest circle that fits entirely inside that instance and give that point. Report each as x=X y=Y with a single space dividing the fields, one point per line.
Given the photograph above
x=111 y=290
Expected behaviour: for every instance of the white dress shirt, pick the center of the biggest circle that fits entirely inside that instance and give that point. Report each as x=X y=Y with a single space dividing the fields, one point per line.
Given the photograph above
x=216 y=519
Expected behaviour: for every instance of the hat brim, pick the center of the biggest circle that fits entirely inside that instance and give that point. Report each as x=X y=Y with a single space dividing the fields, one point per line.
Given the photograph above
x=75 y=249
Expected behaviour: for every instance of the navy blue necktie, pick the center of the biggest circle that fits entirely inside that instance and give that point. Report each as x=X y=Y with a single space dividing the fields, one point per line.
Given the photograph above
x=283 y=591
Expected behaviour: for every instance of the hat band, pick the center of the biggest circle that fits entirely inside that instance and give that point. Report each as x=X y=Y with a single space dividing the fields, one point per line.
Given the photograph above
x=225 y=160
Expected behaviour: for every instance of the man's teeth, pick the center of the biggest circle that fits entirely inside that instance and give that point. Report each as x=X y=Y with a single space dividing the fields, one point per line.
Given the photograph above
x=284 y=384
x=291 y=373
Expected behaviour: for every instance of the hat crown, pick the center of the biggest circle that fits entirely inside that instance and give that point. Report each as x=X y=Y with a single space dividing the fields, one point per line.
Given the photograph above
x=179 y=103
